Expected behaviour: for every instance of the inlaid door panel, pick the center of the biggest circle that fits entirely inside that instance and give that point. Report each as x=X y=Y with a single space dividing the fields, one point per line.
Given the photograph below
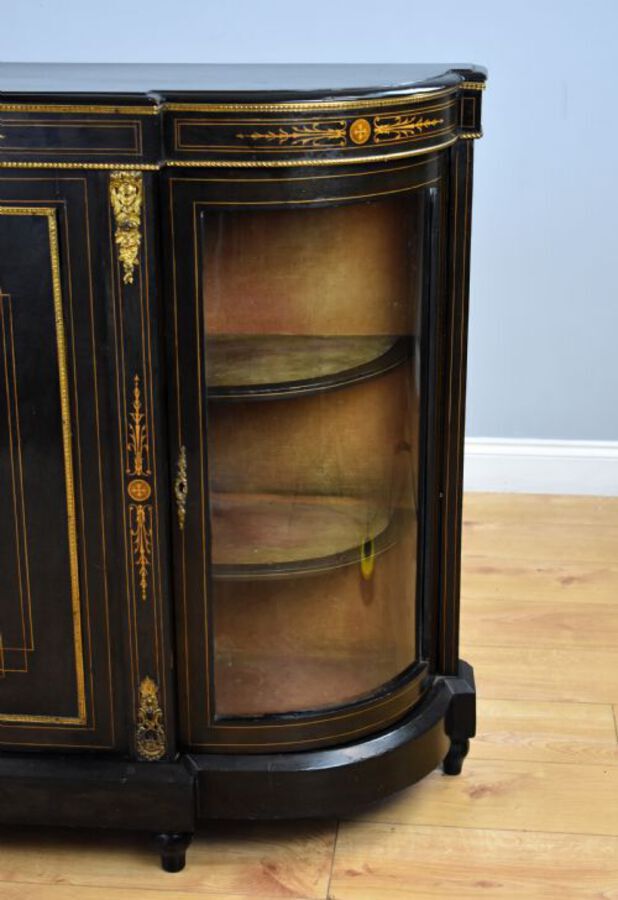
x=57 y=632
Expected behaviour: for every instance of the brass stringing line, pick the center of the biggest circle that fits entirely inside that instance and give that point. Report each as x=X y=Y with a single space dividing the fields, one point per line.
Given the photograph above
x=68 y=457
x=84 y=184
x=62 y=216
x=24 y=528
x=147 y=342
x=16 y=516
x=395 y=700
x=50 y=214
x=53 y=123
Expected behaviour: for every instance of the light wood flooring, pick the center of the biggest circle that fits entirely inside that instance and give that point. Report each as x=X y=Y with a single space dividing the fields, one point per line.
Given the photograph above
x=535 y=812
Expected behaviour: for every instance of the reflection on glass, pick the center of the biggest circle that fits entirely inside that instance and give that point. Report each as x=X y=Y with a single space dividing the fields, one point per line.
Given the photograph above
x=311 y=328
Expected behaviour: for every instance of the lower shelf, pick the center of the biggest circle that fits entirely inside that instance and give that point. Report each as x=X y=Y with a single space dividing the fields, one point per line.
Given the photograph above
x=253 y=687
x=265 y=535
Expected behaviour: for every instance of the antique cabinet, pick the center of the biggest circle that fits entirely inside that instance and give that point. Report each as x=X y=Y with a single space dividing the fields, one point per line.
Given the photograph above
x=233 y=314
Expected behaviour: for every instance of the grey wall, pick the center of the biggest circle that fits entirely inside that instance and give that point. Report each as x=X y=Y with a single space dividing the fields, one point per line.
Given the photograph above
x=543 y=361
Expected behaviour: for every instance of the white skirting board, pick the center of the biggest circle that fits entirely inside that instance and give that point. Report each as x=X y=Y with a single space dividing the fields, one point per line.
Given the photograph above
x=541 y=467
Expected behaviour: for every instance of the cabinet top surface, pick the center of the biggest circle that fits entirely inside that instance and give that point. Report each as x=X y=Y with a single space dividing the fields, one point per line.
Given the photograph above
x=197 y=81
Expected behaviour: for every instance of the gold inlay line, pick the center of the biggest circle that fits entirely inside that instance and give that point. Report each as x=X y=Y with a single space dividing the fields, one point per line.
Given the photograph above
x=65 y=408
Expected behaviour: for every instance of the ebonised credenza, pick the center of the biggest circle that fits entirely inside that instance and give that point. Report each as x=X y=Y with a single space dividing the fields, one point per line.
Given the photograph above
x=233 y=316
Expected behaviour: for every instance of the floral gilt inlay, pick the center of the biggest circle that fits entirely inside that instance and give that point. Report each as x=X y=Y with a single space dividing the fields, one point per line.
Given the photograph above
x=137 y=445
x=402 y=127
x=141 y=540
x=139 y=490
x=332 y=133
x=313 y=134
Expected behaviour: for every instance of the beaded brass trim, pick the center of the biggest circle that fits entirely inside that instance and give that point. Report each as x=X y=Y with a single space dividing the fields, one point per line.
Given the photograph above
x=80 y=108
x=307 y=105
x=151 y=167
x=150 y=741
x=472 y=86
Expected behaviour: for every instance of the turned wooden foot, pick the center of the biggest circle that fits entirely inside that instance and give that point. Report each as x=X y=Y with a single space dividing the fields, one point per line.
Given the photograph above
x=453 y=761
x=173 y=848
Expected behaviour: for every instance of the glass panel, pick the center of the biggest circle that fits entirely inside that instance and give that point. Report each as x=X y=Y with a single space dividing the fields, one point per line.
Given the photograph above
x=312 y=335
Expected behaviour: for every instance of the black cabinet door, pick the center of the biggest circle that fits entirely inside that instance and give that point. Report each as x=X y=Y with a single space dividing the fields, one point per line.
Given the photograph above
x=57 y=613
x=298 y=525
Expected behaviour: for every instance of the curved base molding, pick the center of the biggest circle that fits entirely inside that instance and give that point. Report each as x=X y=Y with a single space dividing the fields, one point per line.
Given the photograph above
x=339 y=780
x=162 y=797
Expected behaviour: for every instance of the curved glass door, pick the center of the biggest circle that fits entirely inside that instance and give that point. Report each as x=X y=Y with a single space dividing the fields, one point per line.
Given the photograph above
x=312 y=340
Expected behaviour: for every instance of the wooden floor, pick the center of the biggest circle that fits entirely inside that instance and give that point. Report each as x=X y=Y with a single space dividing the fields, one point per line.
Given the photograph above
x=535 y=812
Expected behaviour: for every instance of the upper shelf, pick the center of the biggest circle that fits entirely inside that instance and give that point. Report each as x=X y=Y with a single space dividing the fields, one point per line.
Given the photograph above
x=266 y=367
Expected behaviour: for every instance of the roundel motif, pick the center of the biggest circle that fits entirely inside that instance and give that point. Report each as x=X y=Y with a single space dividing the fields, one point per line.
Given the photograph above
x=360 y=131
x=139 y=490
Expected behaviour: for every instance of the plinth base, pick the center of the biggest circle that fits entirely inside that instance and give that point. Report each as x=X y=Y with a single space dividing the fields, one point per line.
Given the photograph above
x=169 y=798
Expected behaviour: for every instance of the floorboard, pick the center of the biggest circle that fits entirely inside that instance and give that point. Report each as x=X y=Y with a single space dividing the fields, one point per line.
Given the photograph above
x=534 y=813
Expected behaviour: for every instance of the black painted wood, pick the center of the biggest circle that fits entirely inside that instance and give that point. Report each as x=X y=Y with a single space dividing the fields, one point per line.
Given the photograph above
x=96 y=792
x=197 y=140
x=57 y=465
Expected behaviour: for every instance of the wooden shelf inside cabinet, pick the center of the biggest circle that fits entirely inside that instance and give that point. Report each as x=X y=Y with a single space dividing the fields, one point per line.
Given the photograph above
x=265 y=367
x=270 y=535
x=287 y=693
